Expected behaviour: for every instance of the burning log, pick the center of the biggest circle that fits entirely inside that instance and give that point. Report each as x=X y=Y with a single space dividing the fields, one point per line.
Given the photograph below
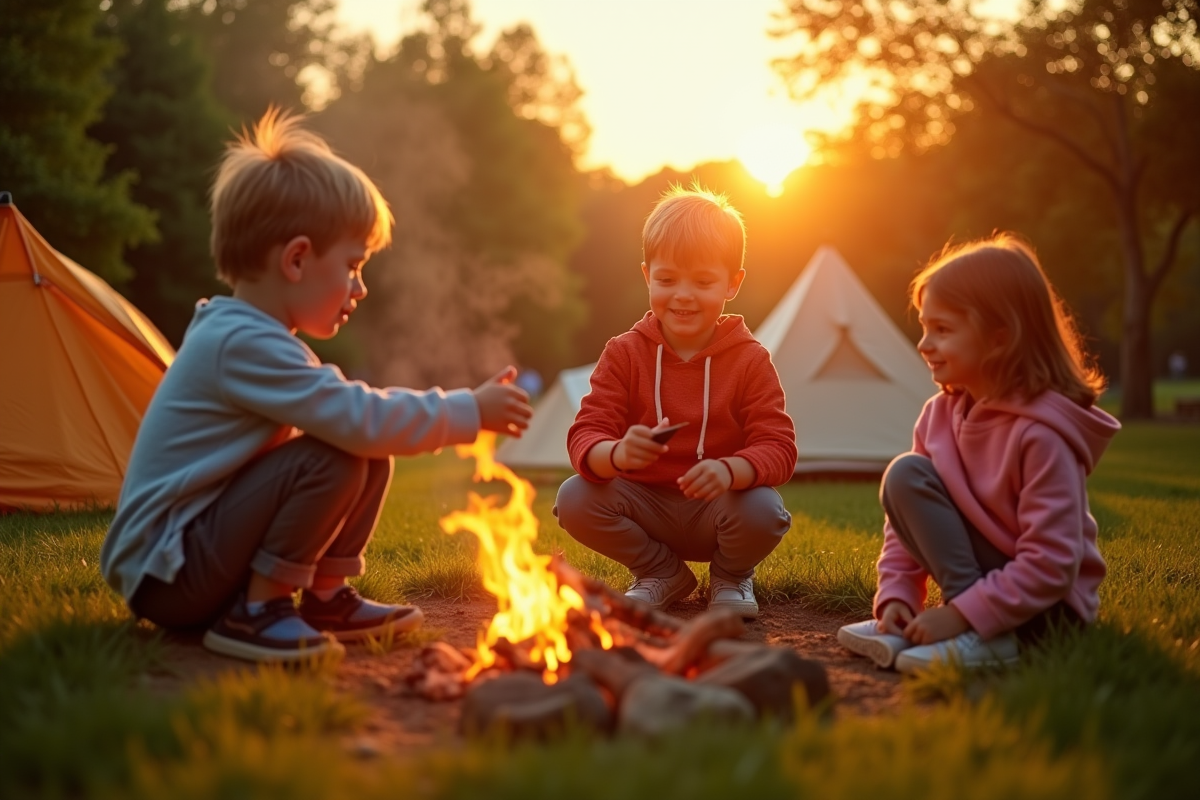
x=692 y=641
x=615 y=604
x=563 y=645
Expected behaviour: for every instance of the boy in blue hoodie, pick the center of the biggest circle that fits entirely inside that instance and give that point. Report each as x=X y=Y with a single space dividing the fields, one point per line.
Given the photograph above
x=258 y=469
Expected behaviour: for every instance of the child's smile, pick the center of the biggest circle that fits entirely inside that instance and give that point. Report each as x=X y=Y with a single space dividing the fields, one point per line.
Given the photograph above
x=688 y=301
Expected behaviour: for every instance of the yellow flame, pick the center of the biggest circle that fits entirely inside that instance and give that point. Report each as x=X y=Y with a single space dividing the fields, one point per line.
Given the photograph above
x=532 y=606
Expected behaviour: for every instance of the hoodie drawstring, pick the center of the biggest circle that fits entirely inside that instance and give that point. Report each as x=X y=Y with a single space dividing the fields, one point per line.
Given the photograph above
x=658 y=397
x=704 y=421
x=658 y=384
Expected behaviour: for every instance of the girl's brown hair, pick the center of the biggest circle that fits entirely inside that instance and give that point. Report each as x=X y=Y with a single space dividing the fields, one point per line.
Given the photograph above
x=1000 y=286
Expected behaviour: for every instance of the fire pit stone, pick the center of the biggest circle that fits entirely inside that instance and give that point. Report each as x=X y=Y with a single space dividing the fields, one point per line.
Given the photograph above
x=657 y=704
x=521 y=706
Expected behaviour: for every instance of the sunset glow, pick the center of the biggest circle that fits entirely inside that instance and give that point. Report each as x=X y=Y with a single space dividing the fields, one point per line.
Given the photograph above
x=772 y=153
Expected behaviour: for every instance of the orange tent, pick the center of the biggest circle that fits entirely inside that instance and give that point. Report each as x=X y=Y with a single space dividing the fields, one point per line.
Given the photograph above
x=78 y=364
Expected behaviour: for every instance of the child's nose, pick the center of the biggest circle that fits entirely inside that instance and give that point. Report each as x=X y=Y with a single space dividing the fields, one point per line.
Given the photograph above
x=359 y=289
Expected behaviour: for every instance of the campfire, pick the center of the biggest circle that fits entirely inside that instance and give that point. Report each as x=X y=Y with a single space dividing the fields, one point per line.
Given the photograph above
x=563 y=645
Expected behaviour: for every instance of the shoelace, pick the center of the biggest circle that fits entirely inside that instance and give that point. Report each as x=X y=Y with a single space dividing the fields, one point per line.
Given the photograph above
x=743 y=588
x=657 y=587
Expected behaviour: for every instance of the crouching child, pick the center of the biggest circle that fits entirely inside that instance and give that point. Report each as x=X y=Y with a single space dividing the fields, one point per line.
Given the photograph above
x=706 y=494
x=257 y=469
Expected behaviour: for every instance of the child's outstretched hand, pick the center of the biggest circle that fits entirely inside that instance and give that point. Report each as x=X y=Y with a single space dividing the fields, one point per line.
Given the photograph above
x=707 y=480
x=637 y=448
x=503 y=406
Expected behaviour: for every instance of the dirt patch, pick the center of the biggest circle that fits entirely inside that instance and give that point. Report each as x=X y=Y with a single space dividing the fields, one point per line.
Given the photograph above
x=399 y=722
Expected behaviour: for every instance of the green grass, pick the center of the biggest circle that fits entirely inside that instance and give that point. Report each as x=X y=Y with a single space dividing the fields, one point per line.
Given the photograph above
x=1166 y=392
x=1112 y=711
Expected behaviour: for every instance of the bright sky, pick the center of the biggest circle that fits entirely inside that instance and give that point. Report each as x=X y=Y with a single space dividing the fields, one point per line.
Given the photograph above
x=666 y=82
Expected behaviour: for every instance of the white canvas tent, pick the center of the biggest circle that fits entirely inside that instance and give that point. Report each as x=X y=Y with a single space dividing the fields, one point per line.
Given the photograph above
x=854 y=382
x=544 y=443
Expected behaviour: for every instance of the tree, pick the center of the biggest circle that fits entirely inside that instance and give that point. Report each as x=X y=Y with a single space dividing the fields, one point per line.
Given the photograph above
x=1112 y=83
x=52 y=79
x=470 y=150
x=263 y=50
x=162 y=123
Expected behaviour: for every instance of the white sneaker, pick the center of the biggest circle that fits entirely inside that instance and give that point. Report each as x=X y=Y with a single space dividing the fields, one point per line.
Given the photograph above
x=659 y=593
x=737 y=595
x=865 y=639
x=968 y=649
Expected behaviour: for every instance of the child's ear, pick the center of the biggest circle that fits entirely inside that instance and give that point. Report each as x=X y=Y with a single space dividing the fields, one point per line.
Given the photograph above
x=646 y=273
x=735 y=284
x=293 y=256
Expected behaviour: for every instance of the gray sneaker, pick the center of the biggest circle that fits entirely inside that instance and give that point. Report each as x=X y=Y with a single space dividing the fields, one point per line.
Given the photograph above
x=736 y=595
x=968 y=649
x=865 y=639
x=659 y=593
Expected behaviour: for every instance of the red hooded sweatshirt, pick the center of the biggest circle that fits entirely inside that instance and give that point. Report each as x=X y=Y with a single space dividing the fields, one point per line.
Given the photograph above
x=1018 y=472
x=729 y=393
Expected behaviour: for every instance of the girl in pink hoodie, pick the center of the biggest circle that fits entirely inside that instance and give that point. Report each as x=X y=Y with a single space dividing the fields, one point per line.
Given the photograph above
x=992 y=500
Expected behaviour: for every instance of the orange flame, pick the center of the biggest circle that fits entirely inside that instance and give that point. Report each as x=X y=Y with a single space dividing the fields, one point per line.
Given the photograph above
x=533 y=606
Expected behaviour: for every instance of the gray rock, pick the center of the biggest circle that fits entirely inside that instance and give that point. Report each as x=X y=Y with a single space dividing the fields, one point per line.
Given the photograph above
x=769 y=678
x=655 y=705
x=521 y=706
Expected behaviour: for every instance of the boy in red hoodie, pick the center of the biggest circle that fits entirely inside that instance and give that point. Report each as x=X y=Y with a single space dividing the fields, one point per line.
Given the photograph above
x=706 y=496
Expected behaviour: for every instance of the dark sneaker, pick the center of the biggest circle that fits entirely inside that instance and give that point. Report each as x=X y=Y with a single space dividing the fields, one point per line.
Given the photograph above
x=349 y=616
x=275 y=633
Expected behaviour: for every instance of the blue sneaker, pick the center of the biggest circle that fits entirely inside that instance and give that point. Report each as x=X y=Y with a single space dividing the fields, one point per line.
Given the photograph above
x=275 y=633
x=349 y=617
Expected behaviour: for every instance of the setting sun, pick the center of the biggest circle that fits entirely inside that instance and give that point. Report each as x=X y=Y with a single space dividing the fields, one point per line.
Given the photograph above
x=770 y=154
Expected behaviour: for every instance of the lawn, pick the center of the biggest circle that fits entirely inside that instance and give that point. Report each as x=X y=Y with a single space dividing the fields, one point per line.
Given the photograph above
x=1111 y=712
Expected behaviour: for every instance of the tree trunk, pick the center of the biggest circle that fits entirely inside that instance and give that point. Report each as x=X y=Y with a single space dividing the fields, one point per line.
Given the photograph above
x=1137 y=373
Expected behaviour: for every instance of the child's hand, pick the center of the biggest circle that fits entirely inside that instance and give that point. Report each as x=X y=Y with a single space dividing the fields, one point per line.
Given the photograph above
x=503 y=406
x=707 y=480
x=637 y=449
x=894 y=618
x=936 y=624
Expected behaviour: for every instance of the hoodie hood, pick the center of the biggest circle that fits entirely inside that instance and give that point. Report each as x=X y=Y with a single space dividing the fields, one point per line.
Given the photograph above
x=1088 y=431
x=731 y=332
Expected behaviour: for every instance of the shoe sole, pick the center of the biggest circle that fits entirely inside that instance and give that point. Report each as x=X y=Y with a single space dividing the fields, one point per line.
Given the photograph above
x=747 y=608
x=406 y=624
x=911 y=665
x=247 y=651
x=867 y=646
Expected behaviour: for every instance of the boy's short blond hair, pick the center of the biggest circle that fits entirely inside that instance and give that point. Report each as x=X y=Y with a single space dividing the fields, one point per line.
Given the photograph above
x=279 y=182
x=693 y=226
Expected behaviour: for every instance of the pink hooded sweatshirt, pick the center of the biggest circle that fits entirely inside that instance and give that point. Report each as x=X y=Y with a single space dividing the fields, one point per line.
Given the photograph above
x=1018 y=472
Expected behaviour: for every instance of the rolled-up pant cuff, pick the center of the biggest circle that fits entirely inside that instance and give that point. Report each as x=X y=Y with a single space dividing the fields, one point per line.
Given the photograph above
x=277 y=569
x=342 y=566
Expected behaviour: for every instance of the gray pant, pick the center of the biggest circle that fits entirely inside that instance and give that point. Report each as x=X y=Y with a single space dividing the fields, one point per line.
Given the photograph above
x=305 y=508
x=650 y=529
x=943 y=542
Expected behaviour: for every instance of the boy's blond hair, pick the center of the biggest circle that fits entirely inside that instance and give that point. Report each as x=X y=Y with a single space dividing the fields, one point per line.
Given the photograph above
x=694 y=225
x=279 y=182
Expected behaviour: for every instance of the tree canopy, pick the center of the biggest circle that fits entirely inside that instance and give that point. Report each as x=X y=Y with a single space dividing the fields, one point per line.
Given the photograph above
x=163 y=124
x=1109 y=82
x=474 y=149
x=53 y=71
